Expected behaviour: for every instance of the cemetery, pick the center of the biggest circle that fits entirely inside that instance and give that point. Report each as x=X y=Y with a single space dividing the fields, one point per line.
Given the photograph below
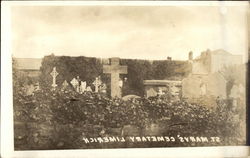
x=79 y=99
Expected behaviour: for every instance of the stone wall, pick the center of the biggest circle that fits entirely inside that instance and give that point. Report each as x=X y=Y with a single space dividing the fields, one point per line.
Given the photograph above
x=204 y=86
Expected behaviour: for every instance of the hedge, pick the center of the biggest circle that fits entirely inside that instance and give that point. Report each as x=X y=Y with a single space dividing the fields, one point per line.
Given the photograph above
x=88 y=69
x=69 y=116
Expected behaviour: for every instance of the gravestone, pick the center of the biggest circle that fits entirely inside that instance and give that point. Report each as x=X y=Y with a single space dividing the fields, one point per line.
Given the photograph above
x=65 y=85
x=115 y=69
x=88 y=89
x=83 y=87
x=151 y=92
x=75 y=84
x=97 y=83
x=211 y=86
x=103 y=88
x=79 y=81
x=54 y=73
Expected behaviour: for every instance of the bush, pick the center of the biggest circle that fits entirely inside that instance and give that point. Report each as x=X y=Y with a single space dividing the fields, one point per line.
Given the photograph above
x=92 y=113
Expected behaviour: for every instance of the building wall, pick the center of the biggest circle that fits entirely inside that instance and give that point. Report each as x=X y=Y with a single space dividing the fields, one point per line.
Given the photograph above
x=199 y=68
x=202 y=65
x=210 y=62
x=196 y=86
x=205 y=81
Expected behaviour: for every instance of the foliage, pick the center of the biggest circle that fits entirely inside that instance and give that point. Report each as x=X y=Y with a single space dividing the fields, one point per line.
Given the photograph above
x=70 y=114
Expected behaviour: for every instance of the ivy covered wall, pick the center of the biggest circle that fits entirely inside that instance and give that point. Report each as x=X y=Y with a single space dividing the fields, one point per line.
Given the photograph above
x=88 y=68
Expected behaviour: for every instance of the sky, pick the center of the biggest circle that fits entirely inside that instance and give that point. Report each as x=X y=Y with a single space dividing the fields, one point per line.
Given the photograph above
x=140 y=32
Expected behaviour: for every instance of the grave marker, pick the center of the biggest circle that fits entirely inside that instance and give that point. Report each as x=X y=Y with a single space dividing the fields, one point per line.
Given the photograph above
x=103 y=88
x=75 y=84
x=88 y=89
x=54 y=73
x=97 y=83
x=65 y=85
x=83 y=87
x=115 y=69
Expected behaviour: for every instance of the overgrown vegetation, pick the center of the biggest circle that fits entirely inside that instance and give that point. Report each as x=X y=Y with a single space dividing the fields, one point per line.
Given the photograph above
x=70 y=116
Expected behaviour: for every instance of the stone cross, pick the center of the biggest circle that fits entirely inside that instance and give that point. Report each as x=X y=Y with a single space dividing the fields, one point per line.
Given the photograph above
x=54 y=73
x=115 y=69
x=75 y=83
x=65 y=84
x=97 y=83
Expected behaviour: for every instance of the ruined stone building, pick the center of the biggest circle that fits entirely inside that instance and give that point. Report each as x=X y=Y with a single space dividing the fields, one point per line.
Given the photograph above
x=213 y=61
x=205 y=79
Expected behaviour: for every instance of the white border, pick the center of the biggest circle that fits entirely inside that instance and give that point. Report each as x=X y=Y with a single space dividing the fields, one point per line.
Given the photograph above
x=128 y=3
x=7 y=140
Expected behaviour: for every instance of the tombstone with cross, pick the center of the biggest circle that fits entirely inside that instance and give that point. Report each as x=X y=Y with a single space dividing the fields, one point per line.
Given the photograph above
x=54 y=73
x=65 y=85
x=115 y=69
x=97 y=83
x=75 y=84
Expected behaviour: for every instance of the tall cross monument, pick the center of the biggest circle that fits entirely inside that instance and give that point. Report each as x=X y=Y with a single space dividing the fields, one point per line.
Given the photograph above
x=115 y=69
x=54 y=73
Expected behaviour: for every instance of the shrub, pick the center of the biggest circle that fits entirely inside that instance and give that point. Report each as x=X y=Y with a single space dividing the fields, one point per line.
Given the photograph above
x=94 y=113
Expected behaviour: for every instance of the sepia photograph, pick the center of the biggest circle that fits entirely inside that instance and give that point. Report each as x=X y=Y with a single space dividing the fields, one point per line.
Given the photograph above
x=126 y=76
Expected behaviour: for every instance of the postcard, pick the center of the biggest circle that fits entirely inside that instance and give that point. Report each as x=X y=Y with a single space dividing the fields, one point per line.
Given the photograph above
x=121 y=79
